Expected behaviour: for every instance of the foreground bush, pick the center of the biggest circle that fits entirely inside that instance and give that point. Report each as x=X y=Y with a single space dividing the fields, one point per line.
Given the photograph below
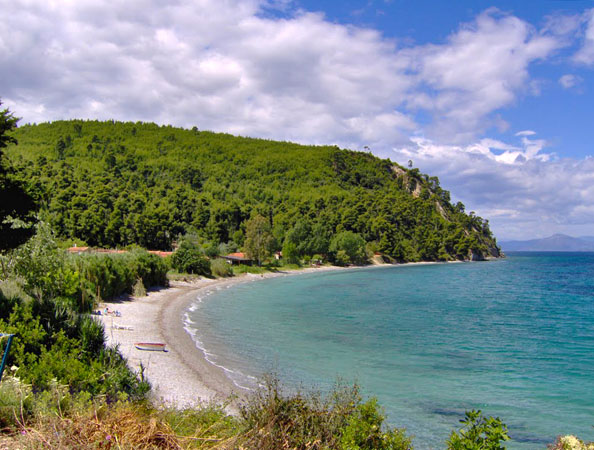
x=299 y=421
x=269 y=420
x=70 y=350
x=56 y=418
x=479 y=433
x=571 y=443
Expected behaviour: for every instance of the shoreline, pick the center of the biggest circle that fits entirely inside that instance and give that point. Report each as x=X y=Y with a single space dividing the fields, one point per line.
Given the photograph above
x=182 y=376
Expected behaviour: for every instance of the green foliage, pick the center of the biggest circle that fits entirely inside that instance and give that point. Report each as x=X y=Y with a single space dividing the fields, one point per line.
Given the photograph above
x=70 y=351
x=189 y=258
x=17 y=209
x=364 y=431
x=139 y=290
x=48 y=272
x=259 y=241
x=290 y=252
x=274 y=420
x=206 y=423
x=348 y=248
x=158 y=182
x=43 y=302
x=242 y=268
x=479 y=433
x=16 y=402
x=221 y=268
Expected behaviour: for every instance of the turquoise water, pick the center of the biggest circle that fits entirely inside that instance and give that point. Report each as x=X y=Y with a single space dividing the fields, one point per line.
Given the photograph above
x=512 y=337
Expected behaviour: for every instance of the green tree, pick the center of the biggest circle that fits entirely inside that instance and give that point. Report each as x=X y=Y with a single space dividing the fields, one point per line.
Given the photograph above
x=259 y=240
x=348 y=247
x=188 y=258
x=300 y=237
x=290 y=254
x=17 y=208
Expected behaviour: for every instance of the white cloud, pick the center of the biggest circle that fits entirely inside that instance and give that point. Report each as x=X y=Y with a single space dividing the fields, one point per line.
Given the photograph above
x=217 y=65
x=526 y=133
x=586 y=54
x=568 y=81
x=221 y=65
x=228 y=65
x=479 y=70
x=524 y=192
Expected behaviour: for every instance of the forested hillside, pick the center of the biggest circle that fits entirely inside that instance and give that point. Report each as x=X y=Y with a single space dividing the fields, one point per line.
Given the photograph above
x=113 y=184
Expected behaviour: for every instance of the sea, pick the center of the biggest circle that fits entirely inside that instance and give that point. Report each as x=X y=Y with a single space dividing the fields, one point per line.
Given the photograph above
x=512 y=337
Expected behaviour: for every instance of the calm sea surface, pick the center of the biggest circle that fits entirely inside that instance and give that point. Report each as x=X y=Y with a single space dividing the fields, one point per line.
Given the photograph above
x=513 y=337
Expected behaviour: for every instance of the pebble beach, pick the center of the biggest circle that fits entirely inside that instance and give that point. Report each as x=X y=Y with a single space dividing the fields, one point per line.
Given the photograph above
x=180 y=376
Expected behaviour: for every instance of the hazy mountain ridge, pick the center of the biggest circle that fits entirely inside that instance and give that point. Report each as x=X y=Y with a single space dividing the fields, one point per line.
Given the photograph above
x=554 y=243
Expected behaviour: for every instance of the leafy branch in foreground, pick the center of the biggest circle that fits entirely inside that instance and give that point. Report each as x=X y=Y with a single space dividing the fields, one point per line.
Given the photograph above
x=479 y=433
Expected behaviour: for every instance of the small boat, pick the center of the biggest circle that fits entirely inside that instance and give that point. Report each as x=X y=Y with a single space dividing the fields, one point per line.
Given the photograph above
x=150 y=346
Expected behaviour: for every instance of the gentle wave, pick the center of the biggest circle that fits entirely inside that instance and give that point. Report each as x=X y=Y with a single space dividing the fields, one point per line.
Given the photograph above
x=240 y=379
x=512 y=337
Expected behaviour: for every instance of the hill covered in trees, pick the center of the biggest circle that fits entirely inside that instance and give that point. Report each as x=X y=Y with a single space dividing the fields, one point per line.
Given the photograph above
x=114 y=184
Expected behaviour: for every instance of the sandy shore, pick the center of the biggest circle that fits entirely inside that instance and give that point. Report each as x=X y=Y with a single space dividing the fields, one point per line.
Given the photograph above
x=181 y=376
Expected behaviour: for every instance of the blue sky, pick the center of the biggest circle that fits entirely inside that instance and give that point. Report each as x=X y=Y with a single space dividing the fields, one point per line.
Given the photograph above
x=562 y=116
x=493 y=97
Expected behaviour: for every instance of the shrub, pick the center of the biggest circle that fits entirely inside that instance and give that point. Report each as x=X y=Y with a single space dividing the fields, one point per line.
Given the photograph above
x=571 y=443
x=479 y=432
x=68 y=349
x=273 y=420
x=16 y=401
x=342 y=258
x=189 y=259
x=211 y=250
x=152 y=269
x=364 y=431
x=139 y=290
x=221 y=268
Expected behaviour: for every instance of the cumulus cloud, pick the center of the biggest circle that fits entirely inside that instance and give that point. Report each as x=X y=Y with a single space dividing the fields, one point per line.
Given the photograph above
x=225 y=66
x=231 y=65
x=215 y=64
x=524 y=191
x=480 y=69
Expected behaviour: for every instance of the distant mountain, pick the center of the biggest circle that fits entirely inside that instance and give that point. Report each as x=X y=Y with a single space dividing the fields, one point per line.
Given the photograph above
x=554 y=243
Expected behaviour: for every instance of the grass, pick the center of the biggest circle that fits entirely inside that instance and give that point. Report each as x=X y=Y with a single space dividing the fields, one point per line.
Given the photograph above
x=269 y=419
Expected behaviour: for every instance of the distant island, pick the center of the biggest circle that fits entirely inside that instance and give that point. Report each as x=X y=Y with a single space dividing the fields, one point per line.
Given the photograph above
x=554 y=243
